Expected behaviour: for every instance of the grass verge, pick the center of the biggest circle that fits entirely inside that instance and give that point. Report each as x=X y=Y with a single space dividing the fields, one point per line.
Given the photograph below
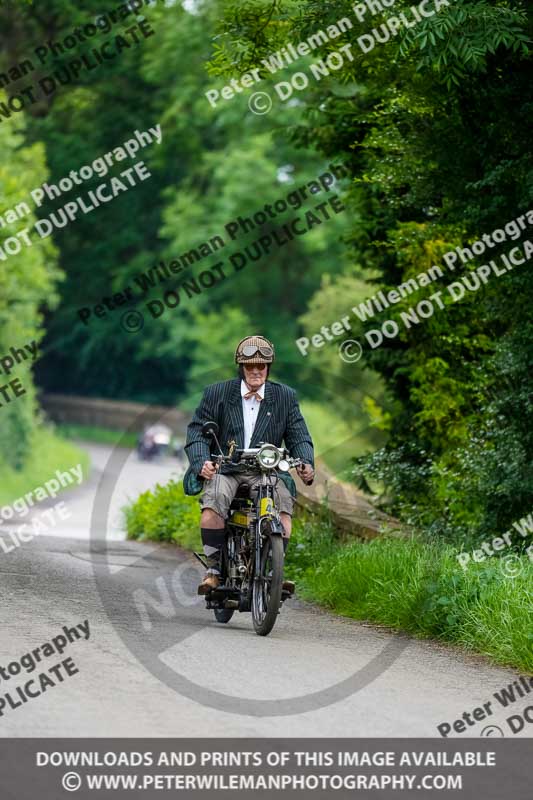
x=50 y=453
x=93 y=433
x=407 y=584
x=414 y=586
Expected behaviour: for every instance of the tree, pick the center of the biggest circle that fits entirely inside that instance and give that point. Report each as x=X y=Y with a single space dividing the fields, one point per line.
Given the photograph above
x=28 y=279
x=433 y=126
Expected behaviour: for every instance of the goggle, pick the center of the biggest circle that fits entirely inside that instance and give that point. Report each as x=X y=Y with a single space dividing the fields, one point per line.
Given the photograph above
x=250 y=350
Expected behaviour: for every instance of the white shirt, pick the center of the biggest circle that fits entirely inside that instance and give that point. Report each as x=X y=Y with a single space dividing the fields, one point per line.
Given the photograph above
x=250 y=409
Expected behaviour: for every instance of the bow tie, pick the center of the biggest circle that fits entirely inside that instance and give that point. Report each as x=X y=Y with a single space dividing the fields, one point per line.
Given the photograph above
x=257 y=396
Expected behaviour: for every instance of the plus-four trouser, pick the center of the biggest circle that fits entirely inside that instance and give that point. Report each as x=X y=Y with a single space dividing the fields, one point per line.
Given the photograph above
x=220 y=491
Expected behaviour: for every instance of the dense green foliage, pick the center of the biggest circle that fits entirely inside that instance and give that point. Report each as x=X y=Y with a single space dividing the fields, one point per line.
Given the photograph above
x=212 y=167
x=25 y=283
x=433 y=130
x=165 y=514
x=434 y=126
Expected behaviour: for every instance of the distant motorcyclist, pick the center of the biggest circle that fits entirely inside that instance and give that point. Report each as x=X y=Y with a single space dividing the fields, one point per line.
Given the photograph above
x=154 y=439
x=248 y=410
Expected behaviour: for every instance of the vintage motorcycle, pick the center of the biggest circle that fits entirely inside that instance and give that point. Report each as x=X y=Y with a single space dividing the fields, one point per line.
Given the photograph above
x=252 y=556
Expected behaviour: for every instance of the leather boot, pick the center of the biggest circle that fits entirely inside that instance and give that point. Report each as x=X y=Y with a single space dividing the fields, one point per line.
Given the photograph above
x=209 y=583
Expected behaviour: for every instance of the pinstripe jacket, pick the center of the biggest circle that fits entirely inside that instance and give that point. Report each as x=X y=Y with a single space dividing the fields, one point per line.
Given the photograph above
x=279 y=420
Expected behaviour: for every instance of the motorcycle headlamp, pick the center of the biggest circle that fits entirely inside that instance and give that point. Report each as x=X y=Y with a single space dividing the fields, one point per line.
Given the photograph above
x=269 y=456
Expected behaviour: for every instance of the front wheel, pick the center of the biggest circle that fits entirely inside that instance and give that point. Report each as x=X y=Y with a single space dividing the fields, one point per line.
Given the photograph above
x=266 y=594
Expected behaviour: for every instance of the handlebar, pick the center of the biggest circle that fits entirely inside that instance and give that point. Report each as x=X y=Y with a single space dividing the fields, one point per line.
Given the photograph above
x=241 y=455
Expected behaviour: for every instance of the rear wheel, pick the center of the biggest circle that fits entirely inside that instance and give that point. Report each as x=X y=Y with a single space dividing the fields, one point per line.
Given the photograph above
x=267 y=587
x=223 y=614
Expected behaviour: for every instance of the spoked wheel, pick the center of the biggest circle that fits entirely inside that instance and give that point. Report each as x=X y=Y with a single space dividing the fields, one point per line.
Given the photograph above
x=266 y=595
x=223 y=614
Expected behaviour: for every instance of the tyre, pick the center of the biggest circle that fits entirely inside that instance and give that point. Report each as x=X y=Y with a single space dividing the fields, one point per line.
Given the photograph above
x=266 y=594
x=223 y=614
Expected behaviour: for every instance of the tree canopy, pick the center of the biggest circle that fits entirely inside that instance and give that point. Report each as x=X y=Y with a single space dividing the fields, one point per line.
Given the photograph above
x=432 y=128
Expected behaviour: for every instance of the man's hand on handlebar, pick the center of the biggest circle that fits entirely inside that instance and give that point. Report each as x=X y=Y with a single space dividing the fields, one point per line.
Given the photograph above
x=208 y=470
x=306 y=473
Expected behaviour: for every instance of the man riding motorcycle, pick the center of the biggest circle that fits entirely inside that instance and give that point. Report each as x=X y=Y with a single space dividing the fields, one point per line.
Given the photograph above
x=248 y=410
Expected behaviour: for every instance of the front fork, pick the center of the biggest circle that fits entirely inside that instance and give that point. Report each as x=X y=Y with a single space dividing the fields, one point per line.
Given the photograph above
x=267 y=512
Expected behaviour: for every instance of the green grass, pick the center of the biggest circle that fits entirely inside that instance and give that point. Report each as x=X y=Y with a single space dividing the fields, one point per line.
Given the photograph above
x=93 y=433
x=50 y=452
x=419 y=587
x=408 y=583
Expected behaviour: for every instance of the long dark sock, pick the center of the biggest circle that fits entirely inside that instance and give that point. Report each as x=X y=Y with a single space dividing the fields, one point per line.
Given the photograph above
x=212 y=540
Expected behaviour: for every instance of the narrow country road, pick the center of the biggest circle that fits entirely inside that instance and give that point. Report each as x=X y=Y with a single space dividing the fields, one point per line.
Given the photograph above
x=157 y=664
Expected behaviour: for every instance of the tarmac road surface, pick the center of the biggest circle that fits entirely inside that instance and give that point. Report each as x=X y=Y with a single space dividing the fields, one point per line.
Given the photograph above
x=157 y=664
